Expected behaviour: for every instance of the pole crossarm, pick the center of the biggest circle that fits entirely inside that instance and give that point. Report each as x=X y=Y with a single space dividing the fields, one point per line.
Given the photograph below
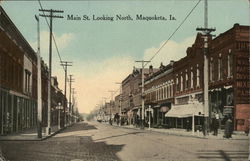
x=54 y=16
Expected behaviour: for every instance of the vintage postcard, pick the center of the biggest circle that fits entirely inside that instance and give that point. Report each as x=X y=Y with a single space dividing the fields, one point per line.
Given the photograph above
x=125 y=80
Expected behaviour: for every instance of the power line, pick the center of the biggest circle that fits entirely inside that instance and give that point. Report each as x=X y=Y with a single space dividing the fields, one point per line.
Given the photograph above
x=58 y=53
x=173 y=33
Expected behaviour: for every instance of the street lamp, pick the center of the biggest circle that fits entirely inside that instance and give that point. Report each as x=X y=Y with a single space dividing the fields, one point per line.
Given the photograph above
x=59 y=107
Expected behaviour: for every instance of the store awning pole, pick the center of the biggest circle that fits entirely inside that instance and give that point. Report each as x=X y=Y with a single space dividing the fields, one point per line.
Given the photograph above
x=193 y=124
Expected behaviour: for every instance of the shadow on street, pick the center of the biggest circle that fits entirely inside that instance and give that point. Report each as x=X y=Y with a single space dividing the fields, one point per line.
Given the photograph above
x=221 y=154
x=64 y=149
x=132 y=133
x=78 y=127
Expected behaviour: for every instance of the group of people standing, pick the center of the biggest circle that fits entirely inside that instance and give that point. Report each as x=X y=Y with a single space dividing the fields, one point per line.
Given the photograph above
x=228 y=125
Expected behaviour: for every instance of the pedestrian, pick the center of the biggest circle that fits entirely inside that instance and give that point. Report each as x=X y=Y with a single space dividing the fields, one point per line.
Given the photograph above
x=216 y=123
x=228 y=128
x=247 y=126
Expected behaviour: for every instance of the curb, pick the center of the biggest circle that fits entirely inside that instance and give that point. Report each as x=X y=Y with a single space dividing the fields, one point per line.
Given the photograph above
x=37 y=139
x=175 y=134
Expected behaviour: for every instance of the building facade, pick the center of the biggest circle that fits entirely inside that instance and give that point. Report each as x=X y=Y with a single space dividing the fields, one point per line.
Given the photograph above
x=159 y=94
x=17 y=79
x=229 y=76
x=18 y=82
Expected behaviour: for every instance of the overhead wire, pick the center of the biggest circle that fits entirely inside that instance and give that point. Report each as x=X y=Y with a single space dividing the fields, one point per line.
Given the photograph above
x=157 y=52
x=58 y=53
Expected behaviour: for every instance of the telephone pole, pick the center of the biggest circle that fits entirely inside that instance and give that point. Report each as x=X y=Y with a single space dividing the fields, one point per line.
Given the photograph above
x=65 y=64
x=51 y=16
x=206 y=34
x=70 y=89
x=142 y=91
x=39 y=83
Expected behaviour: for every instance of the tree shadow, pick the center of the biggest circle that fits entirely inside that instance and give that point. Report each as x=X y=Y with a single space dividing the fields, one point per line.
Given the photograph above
x=221 y=154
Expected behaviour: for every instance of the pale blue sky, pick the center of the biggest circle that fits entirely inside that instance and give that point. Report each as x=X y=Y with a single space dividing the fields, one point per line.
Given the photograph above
x=91 y=43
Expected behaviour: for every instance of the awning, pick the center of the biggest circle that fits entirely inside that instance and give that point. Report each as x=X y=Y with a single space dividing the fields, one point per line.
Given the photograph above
x=187 y=110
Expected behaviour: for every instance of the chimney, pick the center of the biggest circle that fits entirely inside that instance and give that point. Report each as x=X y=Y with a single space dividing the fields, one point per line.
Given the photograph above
x=172 y=62
x=151 y=70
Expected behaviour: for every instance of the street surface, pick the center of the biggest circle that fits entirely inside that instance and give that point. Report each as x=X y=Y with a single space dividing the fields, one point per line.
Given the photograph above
x=93 y=141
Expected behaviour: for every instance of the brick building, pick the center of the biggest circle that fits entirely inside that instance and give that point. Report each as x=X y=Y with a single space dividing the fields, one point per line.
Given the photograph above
x=188 y=88
x=18 y=82
x=131 y=93
x=229 y=75
x=159 y=87
x=17 y=79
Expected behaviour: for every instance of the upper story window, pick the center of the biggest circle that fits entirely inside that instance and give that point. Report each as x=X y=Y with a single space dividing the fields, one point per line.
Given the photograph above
x=211 y=70
x=177 y=83
x=197 y=76
x=186 y=80
x=192 y=78
x=219 y=67
x=230 y=64
x=27 y=81
x=181 y=82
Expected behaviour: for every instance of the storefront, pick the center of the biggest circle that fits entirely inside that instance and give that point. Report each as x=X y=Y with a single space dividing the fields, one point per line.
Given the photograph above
x=186 y=116
x=17 y=112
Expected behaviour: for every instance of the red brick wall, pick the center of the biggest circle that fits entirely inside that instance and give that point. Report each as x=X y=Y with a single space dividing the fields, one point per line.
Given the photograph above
x=242 y=115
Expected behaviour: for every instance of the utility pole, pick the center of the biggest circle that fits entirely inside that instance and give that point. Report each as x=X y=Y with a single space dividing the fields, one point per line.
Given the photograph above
x=120 y=103
x=51 y=16
x=206 y=33
x=142 y=91
x=39 y=83
x=70 y=84
x=110 y=112
x=65 y=64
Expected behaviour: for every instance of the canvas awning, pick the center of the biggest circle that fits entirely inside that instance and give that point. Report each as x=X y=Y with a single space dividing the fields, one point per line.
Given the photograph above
x=187 y=110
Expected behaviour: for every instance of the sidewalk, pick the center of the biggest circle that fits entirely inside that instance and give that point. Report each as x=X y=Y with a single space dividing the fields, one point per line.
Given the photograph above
x=30 y=135
x=182 y=132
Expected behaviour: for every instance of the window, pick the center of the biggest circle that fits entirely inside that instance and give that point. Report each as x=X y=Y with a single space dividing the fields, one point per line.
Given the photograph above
x=230 y=64
x=167 y=91
x=186 y=80
x=172 y=90
x=219 y=67
x=197 y=76
x=27 y=84
x=211 y=70
x=192 y=78
x=177 y=83
x=181 y=82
